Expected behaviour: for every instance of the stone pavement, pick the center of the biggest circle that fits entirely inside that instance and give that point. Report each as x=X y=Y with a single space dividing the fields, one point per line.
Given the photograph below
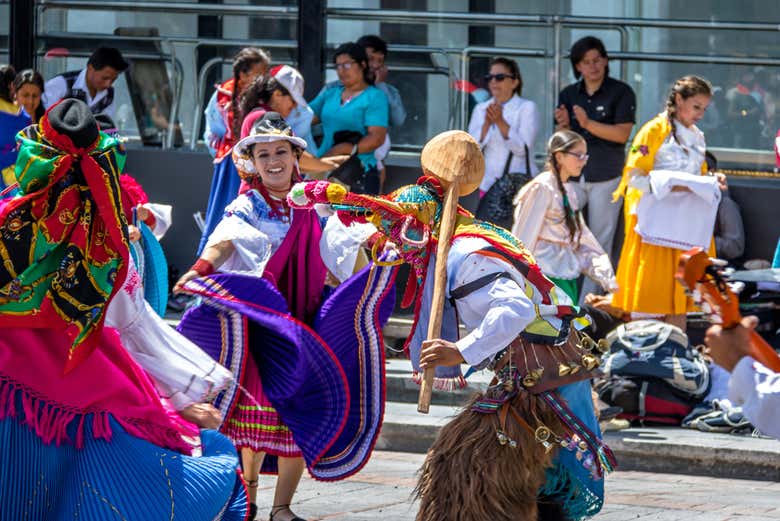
x=382 y=491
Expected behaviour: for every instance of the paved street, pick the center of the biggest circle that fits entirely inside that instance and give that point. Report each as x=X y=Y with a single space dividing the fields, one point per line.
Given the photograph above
x=381 y=491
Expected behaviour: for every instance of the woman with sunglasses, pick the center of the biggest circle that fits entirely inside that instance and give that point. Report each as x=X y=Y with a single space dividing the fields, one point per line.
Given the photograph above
x=354 y=114
x=505 y=126
x=549 y=222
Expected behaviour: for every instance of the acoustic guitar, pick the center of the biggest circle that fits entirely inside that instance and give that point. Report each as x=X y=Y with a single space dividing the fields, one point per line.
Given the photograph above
x=704 y=281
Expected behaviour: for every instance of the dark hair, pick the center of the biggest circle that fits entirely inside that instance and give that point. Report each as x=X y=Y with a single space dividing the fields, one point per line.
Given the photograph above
x=259 y=93
x=107 y=57
x=7 y=74
x=563 y=141
x=373 y=41
x=686 y=87
x=30 y=77
x=581 y=47
x=246 y=58
x=513 y=69
x=358 y=53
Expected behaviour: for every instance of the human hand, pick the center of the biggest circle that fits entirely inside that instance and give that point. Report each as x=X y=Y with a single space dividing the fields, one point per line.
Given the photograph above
x=495 y=112
x=192 y=274
x=142 y=212
x=204 y=415
x=439 y=352
x=562 y=116
x=380 y=74
x=722 y=181
x=728 y=346
x=133 y=233
x=334 y=161
x=581 y=116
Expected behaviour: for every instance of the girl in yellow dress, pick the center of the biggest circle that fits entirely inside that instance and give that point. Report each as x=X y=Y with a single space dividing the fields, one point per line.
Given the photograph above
x=672 y=142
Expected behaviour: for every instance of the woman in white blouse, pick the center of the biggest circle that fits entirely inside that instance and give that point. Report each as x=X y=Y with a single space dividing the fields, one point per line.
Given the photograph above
x=505 y=126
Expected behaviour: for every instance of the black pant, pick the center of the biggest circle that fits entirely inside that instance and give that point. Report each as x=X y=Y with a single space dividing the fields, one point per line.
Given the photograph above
x=549 y=510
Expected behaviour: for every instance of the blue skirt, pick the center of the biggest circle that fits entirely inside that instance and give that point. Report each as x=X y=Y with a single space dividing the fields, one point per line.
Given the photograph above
x=125 y=478
x=224 y=188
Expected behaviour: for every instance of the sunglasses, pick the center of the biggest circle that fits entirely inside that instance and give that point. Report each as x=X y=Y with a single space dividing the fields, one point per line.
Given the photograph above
x=498 y=77
x=582 y=157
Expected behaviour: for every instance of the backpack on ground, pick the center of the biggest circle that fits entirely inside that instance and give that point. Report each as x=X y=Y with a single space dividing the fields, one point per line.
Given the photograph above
x=652 y=372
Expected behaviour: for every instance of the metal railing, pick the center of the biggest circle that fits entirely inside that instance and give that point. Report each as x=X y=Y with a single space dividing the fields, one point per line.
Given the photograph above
x=279 y=12
x=458 y=108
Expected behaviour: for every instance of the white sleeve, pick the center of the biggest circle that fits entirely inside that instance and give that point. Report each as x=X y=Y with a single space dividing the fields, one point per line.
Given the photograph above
x=253 y=248
x=757 y=389
x=53 y=91
x=522 y=131
x=476 y=122
x=503 y=305
x=162 y=218
x=340 y=245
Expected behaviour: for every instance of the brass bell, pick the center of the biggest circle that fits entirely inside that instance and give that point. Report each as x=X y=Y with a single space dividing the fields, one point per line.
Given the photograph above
x=586 y=343
x=573 y=368
x=509 y=386
x=502 y=439
x=533 y=377
x=542 y=434
x=602 y=346
x=563 y=369
x=590 y=362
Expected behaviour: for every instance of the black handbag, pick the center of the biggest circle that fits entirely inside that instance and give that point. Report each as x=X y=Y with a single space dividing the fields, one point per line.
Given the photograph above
x=350 y=172
x=497 y=205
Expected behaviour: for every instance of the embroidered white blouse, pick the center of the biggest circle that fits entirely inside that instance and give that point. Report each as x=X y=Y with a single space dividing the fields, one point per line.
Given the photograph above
x=679 y=220
x=540 y=223
x=256 y=233
x=523 y=119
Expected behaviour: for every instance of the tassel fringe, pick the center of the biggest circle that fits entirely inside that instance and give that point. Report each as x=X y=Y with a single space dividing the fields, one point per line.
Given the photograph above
x=442 y=384
x=52 y=422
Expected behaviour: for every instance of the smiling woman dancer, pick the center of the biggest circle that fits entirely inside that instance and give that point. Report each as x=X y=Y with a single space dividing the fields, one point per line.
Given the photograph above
x=295 y=344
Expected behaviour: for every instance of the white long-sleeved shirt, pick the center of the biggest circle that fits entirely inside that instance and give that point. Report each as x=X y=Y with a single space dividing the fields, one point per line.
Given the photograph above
x=523 y=119
x=494 y=314
x=757 y=389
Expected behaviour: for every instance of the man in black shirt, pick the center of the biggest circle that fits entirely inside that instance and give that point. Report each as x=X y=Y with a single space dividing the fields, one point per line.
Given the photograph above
x=603 y=111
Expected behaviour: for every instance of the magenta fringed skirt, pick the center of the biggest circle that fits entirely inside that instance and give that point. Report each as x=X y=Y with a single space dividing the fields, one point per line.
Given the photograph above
x=256 y=424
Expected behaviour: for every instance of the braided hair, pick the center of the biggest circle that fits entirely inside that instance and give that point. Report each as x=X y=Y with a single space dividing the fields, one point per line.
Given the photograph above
x=563 y=141
x=686 y=87
x=246 y=58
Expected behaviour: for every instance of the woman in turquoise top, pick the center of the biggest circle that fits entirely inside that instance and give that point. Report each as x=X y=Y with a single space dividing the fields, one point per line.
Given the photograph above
x=353 y=105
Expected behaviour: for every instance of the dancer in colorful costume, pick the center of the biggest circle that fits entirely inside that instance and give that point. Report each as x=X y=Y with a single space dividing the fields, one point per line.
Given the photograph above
x=74 y=406
x=521 y=327
x=312 y=356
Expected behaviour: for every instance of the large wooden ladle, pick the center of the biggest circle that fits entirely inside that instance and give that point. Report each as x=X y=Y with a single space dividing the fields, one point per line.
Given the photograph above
x=453 y=157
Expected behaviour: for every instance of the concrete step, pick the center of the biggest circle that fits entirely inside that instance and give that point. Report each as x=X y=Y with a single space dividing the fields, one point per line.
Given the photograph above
x=401 y=388
x=648 y=449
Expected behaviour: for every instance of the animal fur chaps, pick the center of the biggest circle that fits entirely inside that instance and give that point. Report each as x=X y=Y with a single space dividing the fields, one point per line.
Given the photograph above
x=469 y=476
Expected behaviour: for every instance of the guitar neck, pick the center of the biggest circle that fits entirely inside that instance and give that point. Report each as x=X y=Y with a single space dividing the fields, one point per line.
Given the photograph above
x=762 y=352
